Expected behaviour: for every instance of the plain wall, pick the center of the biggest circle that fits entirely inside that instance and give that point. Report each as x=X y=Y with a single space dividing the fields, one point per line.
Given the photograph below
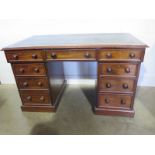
x=12 y=31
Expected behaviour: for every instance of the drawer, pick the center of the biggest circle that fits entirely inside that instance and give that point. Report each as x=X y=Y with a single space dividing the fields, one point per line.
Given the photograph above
x=71 y=54
x=114 y=101
x=32 y=82
x=125 y=69
x=31 y=69
x=121 y=54
x=25 y=55
x=32 y=97
x=116 y=85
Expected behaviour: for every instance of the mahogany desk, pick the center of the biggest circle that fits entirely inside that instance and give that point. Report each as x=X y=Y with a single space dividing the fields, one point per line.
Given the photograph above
x=37 y=64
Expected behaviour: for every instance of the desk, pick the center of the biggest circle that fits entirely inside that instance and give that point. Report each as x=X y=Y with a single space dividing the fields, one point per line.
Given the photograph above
x=37 y=64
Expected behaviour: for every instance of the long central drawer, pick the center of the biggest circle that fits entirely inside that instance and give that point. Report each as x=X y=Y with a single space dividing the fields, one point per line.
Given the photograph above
x=71 y=54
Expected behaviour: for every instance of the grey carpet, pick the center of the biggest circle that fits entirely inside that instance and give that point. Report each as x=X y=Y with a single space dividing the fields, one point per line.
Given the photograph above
x=74 y=114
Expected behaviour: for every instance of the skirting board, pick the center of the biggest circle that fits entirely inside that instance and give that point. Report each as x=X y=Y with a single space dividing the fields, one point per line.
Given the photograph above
x=81 y=81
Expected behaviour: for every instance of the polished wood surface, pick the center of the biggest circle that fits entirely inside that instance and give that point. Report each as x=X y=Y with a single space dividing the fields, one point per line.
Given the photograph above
x=32 y=55
x=121 y=54
x=119 y=85
x=114 y=101
x=37 y=65
x=33 y=97
x=56 y=78
x=29 y=69
x=115 y=69
x=71 y=54
x=32 y=83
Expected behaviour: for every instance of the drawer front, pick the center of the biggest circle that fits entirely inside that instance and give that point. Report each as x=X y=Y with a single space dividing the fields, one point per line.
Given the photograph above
x=118 y=69
x=32 y=97
x=116 y=85
x=121 y=54
x=32 y=82
x=71 y=55
x=33 y=69
x=32 y=55
x=114 y=101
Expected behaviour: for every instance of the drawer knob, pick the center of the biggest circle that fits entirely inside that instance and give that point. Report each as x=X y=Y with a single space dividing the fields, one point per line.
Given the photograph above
x=87 y=55
x=34 y=56
x=36 y=70
x=53 y=55
x=123 y=102
x=25 y=84
x=15 y=56
x=108 y=85
x=40 y=84
x=22 y=70
x=107 y=100
x=132 y=55
x=42 y=98
x=109 y=70
x=29 y=98
x=109 y=55
x=125 y=86
x=127 y=70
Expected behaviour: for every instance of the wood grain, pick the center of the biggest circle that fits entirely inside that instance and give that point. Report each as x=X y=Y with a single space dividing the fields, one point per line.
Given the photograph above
x=122 y=69
x=32 y=83
x=31 y=55
x=114 y=101
x=119 y=85
x=29 y=69
x=71 y=54
x=37 y=64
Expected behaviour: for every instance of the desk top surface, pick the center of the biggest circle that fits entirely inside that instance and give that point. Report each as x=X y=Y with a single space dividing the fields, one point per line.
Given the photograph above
x=106 y=40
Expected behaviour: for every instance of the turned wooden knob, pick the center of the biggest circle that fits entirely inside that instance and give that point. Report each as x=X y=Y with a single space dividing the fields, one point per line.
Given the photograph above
x=107 y=100
x=21 y=70
x=127 y=70
x=125 y=86
x=132 y=55
x=42 y=98
x=123 y=102
x=36 y=69
x=29 y=98
x=25 y=84
x=108 y=85
x=87 y=55
x=34 y=56
x=109 y=69
x=109 y=55
x=15 y=56
x=40 y=84
x=53 y=55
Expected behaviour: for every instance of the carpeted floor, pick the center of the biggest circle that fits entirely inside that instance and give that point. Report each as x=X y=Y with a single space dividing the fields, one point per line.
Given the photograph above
x=74 y=114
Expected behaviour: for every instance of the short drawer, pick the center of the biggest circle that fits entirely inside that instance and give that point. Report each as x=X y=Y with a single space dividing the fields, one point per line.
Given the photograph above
x=116 y=85
x=71 y=54
x=125 y=69
x=26 y=55
x=32 y=82
x=121 y=54
x=31 y=69
x=31 y=97
x=115 y=101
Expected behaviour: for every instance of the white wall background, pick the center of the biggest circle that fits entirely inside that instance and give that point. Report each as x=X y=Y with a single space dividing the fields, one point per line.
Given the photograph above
x=12 y=31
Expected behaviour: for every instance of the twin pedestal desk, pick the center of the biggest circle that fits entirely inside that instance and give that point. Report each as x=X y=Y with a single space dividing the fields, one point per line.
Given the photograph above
x=37 y=64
